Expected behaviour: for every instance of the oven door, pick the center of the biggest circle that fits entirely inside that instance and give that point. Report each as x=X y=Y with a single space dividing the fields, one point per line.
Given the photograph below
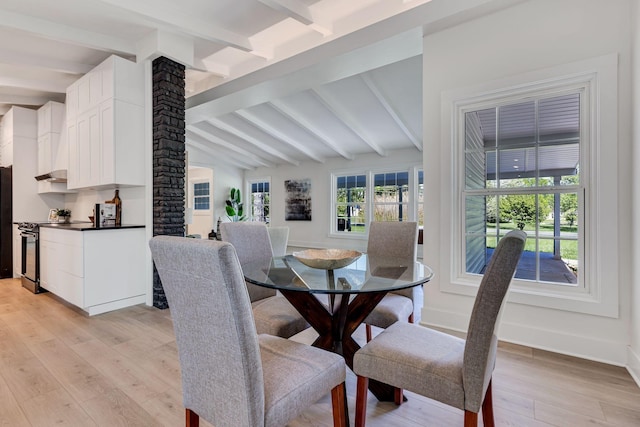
x=30 y=261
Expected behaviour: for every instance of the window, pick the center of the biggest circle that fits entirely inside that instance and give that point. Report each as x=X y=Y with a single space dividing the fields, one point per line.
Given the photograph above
x=537 y=151
x=522 y=163
x=260 y=200
x=201 y=201
x=350 y=203
x=391 y=196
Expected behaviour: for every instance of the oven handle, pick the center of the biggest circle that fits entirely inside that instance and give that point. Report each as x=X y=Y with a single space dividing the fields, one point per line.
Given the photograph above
x=28 y=234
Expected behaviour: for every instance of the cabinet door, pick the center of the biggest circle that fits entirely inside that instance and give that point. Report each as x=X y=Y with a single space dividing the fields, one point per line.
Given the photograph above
x=44 y=154
x=74 y=158
x=88 y=148
x=6 y=153
x=107 y=144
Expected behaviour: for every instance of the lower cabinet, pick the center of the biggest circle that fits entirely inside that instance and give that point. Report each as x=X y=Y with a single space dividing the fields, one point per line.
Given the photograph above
x=96 y=270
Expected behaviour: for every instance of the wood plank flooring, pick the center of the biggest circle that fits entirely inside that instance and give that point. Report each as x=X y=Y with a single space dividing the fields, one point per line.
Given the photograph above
x=60 y=367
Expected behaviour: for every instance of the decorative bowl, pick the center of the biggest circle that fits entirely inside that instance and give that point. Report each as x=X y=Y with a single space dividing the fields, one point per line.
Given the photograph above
x=327 y=259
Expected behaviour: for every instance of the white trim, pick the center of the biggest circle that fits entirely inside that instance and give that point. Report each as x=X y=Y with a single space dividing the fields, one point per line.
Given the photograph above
x=600 y=266
x=633 y=364
x=192 y=196
x=582 y=346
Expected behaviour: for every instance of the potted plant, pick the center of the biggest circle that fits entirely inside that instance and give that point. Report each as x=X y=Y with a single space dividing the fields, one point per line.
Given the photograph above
x=64 y=215
x=234 y=206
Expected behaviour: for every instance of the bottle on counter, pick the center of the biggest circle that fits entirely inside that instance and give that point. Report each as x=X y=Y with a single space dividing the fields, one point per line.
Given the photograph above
x=118 y=202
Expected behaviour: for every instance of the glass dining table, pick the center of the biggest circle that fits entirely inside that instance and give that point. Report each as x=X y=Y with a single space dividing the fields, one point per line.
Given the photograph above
x=335 y=302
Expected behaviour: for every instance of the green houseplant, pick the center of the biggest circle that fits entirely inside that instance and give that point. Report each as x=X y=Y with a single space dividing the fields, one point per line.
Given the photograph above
x=63 y=215
x=234 y=207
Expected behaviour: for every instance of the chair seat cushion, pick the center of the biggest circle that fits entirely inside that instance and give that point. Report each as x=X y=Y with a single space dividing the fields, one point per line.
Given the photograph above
x=295 y=376
x=276 y=316
x=417 y=359
x=391 y=309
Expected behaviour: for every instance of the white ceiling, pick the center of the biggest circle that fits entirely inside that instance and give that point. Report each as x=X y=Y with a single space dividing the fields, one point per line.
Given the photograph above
x=269 y=82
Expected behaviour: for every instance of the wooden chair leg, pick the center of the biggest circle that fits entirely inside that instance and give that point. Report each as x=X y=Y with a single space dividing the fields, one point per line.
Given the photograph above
x=361 y=400
x=487 y=408
x=192 y=419
x=368 y=329
x=398 y=396
x=470 y=419
x=339 y=404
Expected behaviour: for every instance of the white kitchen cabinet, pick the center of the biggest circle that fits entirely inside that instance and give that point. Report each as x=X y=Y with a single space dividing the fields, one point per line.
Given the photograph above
x=51 y=118
x=107 y=146
x=96 y=270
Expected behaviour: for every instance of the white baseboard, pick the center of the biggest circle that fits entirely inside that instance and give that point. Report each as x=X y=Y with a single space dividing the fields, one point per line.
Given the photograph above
x=115 y=305
x=633 y=365
x=589 y=348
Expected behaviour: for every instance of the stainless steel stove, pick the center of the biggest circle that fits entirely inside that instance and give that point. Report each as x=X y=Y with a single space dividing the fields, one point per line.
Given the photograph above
x=30 y=234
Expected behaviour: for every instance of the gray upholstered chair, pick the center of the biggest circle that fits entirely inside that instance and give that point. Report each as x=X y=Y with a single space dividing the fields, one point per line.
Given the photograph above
x=439 y=366
x=279 y=237
x=397 y=240
x=231 y=376
x=274 y=315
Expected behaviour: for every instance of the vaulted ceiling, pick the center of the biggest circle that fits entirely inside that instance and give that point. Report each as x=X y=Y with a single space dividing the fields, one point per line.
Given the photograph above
x=269 y=82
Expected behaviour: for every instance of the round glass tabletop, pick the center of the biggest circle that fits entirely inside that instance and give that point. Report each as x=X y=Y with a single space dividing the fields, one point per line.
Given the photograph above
x=366 y=274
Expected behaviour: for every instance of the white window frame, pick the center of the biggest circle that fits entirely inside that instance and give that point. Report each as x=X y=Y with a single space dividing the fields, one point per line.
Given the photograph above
x=598 y=293
x=200 y=212
x=248 y=193
x=412 y=213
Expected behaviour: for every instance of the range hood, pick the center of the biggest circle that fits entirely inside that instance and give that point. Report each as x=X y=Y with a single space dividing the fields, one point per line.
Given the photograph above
x=53 y=176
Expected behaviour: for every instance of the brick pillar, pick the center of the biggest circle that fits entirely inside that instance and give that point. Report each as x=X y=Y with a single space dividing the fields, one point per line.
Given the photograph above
x=168 y=157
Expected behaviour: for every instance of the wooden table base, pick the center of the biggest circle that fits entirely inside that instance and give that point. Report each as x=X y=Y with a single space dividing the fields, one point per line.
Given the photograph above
x=335 y=328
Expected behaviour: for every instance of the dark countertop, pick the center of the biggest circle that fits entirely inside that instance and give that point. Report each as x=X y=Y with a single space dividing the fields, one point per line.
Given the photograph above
x=86 y=226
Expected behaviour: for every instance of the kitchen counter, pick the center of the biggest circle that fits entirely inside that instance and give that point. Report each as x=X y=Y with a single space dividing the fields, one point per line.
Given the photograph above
x=86 y=226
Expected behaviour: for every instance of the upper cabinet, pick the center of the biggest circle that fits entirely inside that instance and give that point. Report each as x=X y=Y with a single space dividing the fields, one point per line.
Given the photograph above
x=105 y=126
x=53 y=153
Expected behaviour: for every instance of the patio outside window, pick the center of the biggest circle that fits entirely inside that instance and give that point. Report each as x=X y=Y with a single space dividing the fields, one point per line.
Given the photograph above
x=260 y=200
x=522 y=170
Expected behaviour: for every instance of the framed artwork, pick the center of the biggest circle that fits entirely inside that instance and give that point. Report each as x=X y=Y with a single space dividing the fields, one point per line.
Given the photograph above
x=297 y=205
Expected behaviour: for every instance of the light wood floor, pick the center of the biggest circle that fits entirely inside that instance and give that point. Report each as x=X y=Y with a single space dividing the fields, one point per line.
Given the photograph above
x=61 y=367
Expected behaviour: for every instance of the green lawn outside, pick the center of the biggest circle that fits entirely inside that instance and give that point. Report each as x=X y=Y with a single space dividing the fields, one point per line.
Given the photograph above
x=568 y=248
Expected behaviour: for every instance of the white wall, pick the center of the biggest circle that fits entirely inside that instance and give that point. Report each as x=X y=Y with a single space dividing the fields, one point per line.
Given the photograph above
x=223 y=180
x=634 y=348
x=83 y=203
x=315 y=233
x=530 y=36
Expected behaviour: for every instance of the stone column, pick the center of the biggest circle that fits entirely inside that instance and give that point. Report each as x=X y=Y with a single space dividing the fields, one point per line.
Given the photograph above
x=168 y=157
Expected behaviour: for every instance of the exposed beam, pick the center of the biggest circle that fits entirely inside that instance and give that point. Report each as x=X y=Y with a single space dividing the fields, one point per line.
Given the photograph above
x=15 y=57
x=204 y=145
x=309 y=126
x=391 y=111
x=24 y=100
x=214 y=139
x=299 y=11
x=63 y=33
x=177 y=19
x=277 y=83
x=252 y=140
x=269 y=129
x=346 y=117
x=38 y=85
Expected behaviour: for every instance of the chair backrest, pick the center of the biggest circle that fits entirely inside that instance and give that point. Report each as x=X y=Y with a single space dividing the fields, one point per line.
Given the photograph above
x=398 y=240
x=251 y=242
x=279 y=239
x=481 y=345
x=222 y=378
